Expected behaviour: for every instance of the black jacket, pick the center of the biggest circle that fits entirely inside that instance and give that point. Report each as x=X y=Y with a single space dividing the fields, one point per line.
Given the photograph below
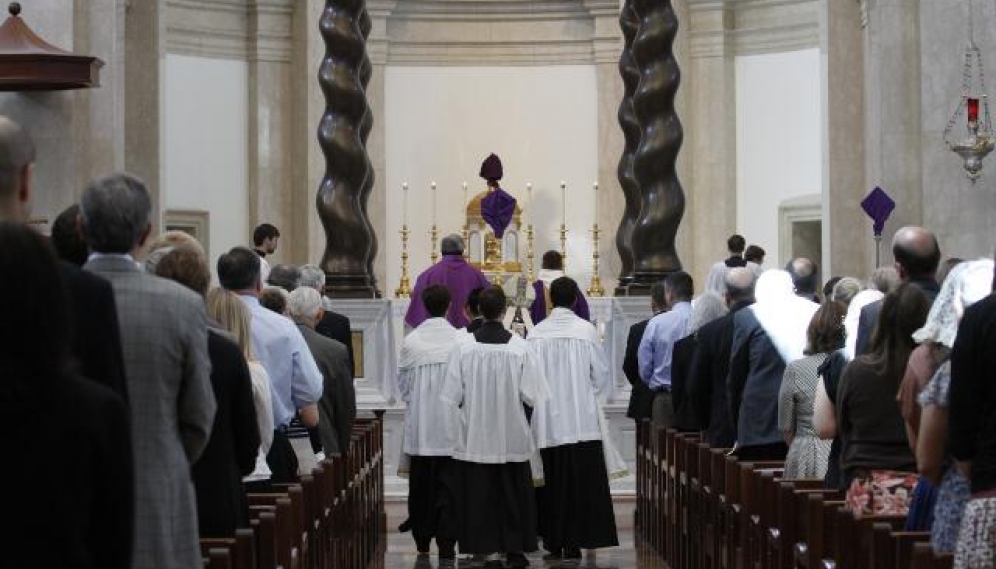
x=337 y=326
x=231 y=451
x=870 y=312
x=641 y=399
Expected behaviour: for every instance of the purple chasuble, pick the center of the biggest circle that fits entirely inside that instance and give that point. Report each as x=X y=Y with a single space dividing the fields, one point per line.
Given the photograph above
x=497 y=208
x=458 y=277
x=538 y=310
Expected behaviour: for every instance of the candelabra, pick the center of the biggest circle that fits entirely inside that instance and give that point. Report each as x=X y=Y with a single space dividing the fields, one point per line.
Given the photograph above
x=530 y=256
x=595 y=289
x=404 y=289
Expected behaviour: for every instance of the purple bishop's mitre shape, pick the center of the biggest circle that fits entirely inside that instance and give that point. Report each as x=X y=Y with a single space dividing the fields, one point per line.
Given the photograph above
x=878 y=205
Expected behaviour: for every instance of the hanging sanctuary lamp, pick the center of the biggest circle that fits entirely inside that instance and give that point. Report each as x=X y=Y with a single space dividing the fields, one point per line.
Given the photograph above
x=976 y=141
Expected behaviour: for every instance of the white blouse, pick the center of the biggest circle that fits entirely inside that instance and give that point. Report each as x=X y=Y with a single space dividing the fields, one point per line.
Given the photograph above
x=263 y=403
x=576 y=370
x=430 y=424
x=489 y=383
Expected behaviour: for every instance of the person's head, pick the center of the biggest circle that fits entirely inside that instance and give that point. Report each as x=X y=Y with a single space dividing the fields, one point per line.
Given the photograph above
x=916 y=252
x=804 y=277
x=304 y=306
x=34 y=340
x=678 y=287
x=845 y=290
x=117 y=214
x=945 y=268
x=17 y=158
x=66 y=237
x=828 y=286
x=658 y=297
x=436 y=300
x=774 y=286
x=884 y=280
x=826 y=330
x=265 y=237
x=735 y=244
x=452 y=244
x=187 y=266
x=226 y=308
x=274 y=298
x=238 y=271
x=705 y=309
x=474 y=303
x=312 y=276
x=553 y=261
x=739 y=283
x=563 y=292
x=493 y=303
x=754 y=254
x=165 y=242
x=287 y=277
x=904 y=311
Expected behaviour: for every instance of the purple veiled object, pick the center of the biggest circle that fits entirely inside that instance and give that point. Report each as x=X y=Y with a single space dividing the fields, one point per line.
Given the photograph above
x=497 y=208
x=878 y=205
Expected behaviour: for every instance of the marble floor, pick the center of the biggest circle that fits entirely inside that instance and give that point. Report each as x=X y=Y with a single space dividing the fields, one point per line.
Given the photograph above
x=401 y=554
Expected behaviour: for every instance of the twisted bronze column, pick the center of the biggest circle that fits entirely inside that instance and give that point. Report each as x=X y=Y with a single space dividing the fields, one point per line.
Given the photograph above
x=366 y=125
x=629 y=23
x=663 y=200
x=342 y=196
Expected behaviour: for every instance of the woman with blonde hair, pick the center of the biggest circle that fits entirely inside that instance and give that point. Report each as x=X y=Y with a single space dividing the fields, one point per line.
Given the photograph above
x=228 y=310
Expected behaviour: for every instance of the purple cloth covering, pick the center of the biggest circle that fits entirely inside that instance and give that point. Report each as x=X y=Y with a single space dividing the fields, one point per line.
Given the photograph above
x=497 y=208
x=455 y=274
x=538 y=310
x=878 y=205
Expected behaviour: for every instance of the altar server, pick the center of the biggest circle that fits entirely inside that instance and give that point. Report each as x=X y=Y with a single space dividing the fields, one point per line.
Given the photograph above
x=489 y=378
x=430 y=425
x=575 y=506
x=553 y=269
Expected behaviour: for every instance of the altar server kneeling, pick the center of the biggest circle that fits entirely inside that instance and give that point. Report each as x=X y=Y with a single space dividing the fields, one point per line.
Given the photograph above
x=575 y=506
x=489 y=379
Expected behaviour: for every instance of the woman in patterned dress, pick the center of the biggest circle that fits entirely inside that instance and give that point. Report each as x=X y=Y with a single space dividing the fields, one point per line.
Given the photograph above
x=808 y=454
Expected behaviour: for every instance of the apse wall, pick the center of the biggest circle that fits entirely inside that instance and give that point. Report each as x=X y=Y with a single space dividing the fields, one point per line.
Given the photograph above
x=441 y=122
x=207 y=146
x=779 y=140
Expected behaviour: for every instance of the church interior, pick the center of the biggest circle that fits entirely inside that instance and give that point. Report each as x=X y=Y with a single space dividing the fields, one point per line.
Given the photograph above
x=636 y=136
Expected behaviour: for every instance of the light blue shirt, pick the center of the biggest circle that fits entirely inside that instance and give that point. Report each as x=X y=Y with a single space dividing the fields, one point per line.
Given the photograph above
x=657 y=345
x=295 y=380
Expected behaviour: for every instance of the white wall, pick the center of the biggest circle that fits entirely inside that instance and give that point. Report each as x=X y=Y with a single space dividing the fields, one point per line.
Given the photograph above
x=779 y=140
x=207 y=145
x=442 y=122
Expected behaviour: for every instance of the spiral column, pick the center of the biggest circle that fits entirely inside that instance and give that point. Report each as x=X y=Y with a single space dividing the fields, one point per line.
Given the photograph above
x=350 y=244
x=662 y=198
x=629 y=23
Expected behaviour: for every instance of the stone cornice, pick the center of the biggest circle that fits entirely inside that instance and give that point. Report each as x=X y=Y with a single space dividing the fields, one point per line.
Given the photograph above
x=744 y=27
x=254 y=30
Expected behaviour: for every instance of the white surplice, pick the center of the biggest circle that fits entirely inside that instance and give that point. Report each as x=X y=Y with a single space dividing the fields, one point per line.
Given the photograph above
x=489 y=383
x=430 y=424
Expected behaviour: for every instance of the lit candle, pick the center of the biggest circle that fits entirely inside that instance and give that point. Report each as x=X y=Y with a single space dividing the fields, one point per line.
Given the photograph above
x=595 y=185
x=563 y=202
x=433 y=202
x=466 y=200
x=404 y=203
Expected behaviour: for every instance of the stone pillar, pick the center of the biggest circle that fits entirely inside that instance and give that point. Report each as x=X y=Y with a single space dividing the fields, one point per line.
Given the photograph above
x=630 y=128
x=713 y=148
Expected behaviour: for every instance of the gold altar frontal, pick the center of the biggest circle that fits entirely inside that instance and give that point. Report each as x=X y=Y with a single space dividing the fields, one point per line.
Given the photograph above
x=496 y=258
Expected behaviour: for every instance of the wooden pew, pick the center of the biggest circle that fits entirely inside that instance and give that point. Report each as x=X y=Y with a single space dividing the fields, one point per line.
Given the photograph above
x=891 y=549
x=788 y=518
x=923 y=557
x=241 y=548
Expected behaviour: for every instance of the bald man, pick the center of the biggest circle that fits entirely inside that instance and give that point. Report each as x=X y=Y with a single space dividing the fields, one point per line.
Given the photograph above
x=917 y=255
x=805 y=277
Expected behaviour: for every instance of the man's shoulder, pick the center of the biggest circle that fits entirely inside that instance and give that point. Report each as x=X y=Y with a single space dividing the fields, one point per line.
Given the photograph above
x=79 y=280
x=316 y=340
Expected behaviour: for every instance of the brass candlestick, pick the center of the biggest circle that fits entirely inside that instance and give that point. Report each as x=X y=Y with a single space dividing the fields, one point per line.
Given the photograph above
x=563 y=243
x=434 y=236
x=404 y=289
x=530 y=257
x=465 y=233
x=595 y=289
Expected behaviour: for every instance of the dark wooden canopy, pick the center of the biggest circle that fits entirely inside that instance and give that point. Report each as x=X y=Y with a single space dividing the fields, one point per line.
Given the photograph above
x=29 y=63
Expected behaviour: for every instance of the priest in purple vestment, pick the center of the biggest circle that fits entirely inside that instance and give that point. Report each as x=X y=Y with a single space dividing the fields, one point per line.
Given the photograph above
x=498 y=207
x=553 y=269
x=456 y=275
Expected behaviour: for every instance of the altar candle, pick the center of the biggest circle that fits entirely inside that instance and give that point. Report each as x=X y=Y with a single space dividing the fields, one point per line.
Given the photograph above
x=466 y=200
x=563 y=202
x=404 y=203
x=433 y=202
x=595 y=186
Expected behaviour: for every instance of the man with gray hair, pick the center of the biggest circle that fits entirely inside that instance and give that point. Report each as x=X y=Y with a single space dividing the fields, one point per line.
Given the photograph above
x=337 y=407
x=456 y=275
x=164 y=336
x=332 y=325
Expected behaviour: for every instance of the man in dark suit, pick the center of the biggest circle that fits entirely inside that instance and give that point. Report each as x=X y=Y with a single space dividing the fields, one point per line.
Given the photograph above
x=332 y=325
x=706 y=384
x=917 y=255
x=641 y=399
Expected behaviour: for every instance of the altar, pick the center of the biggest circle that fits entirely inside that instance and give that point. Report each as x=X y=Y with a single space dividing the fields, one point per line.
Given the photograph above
x=378 y=329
